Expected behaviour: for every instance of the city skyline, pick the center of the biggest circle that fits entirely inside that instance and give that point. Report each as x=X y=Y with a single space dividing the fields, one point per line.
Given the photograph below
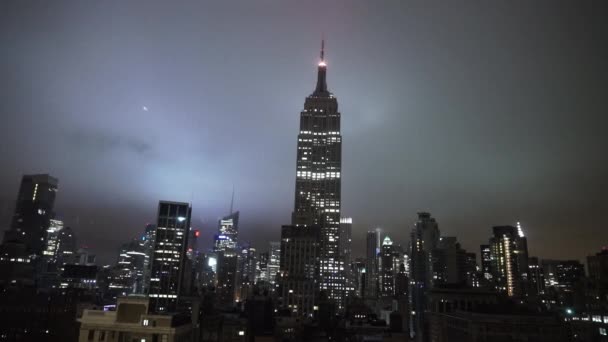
x=534 y=155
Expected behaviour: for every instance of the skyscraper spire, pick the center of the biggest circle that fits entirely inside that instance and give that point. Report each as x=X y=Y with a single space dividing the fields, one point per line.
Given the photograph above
x=321 y=88
x=322 y=50
x=232 y=201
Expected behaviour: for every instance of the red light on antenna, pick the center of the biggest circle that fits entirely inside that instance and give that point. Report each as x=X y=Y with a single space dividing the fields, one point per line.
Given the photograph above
x=197 y=233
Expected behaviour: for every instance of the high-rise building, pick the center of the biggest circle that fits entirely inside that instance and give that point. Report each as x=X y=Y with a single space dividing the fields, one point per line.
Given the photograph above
x=358 y=272
x=449 y=262
x=562 y=274
x=52 y=241
x=228 y=231
x=598 y=267
x=274 y=262
x=170 y=244
x=472 y=270
x=246 y=270
x=346 y=226
x=510 y=260
x=148 y=248
x=318 y=175
x=390 y=261
x=486 y=266
x=227 y=262
x=537 y=277
x=372 y=263
x=33 y=212
x=127 y=277
x=299 y=268
x=225 y=247
x=424 y=239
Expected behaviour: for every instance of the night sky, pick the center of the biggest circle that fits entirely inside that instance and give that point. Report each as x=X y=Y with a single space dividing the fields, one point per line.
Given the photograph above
x=482 y=113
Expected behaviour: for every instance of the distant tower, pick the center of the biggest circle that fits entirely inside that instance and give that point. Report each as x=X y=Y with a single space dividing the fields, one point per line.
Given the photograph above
x=424 y=239
x=372 y=263
x=274 y=262
x=390 y=257
x=227 y=257
x=33 y=212
x=318 y=187
x=171 y=241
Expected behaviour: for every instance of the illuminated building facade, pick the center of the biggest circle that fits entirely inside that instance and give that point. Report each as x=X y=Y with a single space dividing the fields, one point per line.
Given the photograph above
x=509 y=251
x=274 y=262
x=52 y=241
x=318 y=187
x=170 y=243
x=228 y=230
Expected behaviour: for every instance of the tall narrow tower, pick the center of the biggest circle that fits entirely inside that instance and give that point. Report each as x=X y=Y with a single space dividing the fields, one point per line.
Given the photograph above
x=168 y=261
x=318 y=172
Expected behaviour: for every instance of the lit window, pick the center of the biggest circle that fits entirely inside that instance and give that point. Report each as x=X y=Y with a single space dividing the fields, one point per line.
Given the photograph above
x=145 y=323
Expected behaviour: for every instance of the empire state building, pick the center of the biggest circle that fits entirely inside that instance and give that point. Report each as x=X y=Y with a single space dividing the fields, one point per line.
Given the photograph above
x=318 y=172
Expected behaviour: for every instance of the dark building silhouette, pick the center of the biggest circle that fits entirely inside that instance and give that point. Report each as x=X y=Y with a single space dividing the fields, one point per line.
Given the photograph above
x=33 y=212
x=299 y=268
x=227 y=261
x=372 y=263
x=171 y=241
x=424 y=239
x=537 y=277
x=318 y=186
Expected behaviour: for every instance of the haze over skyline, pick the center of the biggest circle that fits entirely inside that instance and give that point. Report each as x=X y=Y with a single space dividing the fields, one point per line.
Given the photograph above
x=482 y=114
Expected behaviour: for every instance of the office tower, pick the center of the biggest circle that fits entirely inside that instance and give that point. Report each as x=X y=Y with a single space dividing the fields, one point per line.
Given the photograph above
x=509 y=260
x=372 y=263
x=472 y=270
x=299 y=268
x=401 y=281
x=424 y=239
x=227 y=261
x=358 y=272
x=245 y=272
x=345 y=246
x=406 y=264
x=225 y=247
x=52 y=242
x=148 y=249
x=487 y=279
x=449 y=262
x=390 y=261
x=261 y=269
x=170 y=243
x=598 y=266
x=33 y=212
x=562 y=274
x=318 y=174
x=228 y=231
x=537 y=277
x=127 y=276
x=274 y=262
